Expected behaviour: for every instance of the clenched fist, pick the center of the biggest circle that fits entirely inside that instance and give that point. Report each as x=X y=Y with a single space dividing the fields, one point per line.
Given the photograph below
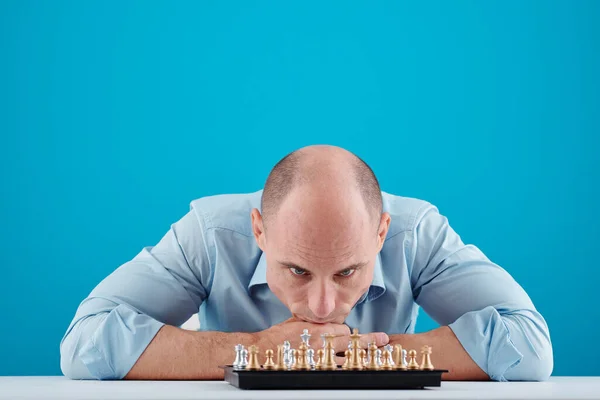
x=292 y=328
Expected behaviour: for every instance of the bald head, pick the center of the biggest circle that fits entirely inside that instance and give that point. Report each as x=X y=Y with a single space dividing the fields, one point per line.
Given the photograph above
x=332 y=172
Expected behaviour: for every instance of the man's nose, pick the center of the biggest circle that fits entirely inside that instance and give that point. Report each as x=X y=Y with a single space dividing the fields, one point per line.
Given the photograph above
x=321 y=299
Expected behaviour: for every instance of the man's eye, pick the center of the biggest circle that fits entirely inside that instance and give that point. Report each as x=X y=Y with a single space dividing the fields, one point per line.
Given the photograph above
x=297 y=271
x=347 y=272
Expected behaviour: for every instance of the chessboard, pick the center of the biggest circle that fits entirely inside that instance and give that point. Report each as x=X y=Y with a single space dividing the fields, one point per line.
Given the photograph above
x=369 y=368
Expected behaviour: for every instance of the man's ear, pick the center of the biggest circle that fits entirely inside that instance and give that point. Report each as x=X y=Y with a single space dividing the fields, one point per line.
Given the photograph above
x=384 y=226
x=258 y=228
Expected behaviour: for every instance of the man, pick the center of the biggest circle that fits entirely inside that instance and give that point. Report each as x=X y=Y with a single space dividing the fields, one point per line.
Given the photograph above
x=321 y=248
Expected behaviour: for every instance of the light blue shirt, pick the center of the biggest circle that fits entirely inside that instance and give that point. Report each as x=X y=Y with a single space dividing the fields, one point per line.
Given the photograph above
x=209 y=263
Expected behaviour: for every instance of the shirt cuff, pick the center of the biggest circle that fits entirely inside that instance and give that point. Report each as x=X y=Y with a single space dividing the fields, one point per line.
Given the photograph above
x=486 y=339
x=118 y=343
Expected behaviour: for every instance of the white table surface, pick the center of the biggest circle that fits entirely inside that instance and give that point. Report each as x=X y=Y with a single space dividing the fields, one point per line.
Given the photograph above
x=54 y=387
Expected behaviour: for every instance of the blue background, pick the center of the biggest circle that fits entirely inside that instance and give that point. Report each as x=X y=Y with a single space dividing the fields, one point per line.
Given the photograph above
x=115 y=115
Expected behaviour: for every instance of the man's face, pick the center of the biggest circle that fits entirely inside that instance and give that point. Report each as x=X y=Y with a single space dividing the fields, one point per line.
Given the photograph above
x=321 y=261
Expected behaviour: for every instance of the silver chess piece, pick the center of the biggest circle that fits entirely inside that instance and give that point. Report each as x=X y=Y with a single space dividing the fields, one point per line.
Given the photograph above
x=244 y=359
x=367 y=359
x=390 y=349
x=323 y=339
x=310 y=358
x=378 y=357
x=238 y=356
x=305 y=337
x=403 y=358
x=287 y=359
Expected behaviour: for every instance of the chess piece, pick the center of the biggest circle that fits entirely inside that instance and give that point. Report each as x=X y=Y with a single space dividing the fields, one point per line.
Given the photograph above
x=328 y=362
x=269 y=364
x=293 y=359
x=310 y=358
x=426 y=363
x=399 y=358
x=238 y=357
x=279 y=365
x=347 y=359
x=305 y=337
x=412 y=360
x=253 y=363
x=320 y=353
x=364 y=358
x=356 y=361
x=388 y=363
x=287 y=359
x=301 y=364
x=378 y=357
x=372 y=364
x=244 y=361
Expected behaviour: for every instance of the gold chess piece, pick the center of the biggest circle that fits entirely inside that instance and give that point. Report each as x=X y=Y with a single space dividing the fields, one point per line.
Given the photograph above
x=328 y=362
x=363 y=357
x=373 y=357
x=355 y=362
x=279 y=362
x=301 y=363
x=426 y=362
x=253 y=363
x=347 y=360
x=412 y=360
x=398 y=358
x=319 y=358
x=269 y=364
x=388 y=364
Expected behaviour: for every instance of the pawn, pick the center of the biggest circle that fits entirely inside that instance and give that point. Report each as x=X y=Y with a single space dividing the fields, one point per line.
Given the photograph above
x=412 y=360
x=373 y=364
x=378 y=357
x=426 y=363
x=301 y=363
x=253 y=363
x=388 y=363
x=320 y=353
x=269 y=364
x=347 y=359
x=310 y=358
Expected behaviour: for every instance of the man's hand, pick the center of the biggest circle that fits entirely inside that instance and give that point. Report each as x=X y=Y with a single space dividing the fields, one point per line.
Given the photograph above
x=292 y=328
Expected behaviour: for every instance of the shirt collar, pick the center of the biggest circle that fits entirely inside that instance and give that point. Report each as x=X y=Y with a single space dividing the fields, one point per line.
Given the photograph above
x=376 y=289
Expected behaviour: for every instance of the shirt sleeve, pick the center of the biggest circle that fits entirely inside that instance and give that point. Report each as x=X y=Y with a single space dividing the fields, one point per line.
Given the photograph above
x=489 y=312
x=164 y=284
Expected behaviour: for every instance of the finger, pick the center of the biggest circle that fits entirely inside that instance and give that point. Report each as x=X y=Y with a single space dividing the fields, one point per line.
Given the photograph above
x=379 y=338
x=338 y=329
x=340 y=344
x=340 y=360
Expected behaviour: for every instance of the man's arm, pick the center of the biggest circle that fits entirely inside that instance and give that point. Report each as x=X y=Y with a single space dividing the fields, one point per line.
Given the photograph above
x=489 y=314
x=115 y=324
x=447 y=353
x=178 y=354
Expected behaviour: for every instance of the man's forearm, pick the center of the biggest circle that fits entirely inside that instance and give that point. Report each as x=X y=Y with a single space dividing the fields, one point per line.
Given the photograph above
x=179 y=354
x=447 y=353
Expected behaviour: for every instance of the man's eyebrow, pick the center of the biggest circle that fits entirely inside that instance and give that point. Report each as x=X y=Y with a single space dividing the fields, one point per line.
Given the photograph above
x=353 y=266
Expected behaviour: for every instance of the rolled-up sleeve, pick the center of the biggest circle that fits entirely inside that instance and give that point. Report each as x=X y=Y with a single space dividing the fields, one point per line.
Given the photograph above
x=164 y=284
x=488 y=311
